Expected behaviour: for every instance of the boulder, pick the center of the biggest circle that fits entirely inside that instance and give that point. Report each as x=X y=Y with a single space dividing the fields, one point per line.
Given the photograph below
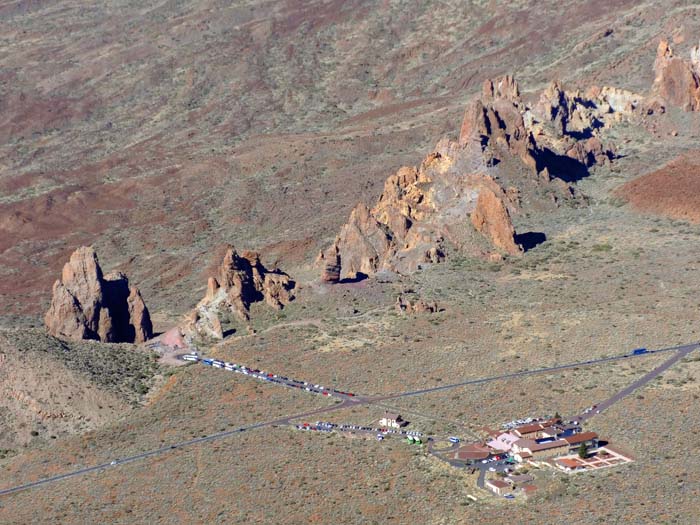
x=407 y=305
x=87 y=305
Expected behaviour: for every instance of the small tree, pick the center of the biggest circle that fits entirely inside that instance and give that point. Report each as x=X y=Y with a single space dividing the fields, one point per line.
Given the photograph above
x=583 y=451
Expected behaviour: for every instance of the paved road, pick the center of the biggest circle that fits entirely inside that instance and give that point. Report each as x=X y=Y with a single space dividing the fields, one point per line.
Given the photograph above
x=353 y=401
x=213 y=437
x=483 y=468
x=683 y=348
x=680 y=354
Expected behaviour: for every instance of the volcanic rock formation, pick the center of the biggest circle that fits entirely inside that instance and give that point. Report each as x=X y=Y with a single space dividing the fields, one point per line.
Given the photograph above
x=330 y=260
x=677 y=80
x=424 y=211
x=88 y=305
x=242 y=280
x=419 y=211
x=497 y=120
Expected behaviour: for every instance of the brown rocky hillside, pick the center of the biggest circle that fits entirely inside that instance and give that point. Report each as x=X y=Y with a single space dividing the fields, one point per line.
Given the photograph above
x=155 y=133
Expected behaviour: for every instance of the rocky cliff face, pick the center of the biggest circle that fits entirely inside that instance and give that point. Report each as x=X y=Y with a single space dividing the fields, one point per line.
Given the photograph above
x=677 y=80
x=242 y=280
x=496 y=121
x=419 y=212
x=87 y=305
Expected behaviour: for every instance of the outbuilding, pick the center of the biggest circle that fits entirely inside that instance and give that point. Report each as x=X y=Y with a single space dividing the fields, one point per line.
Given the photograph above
x=392 y=420
x=498 y=487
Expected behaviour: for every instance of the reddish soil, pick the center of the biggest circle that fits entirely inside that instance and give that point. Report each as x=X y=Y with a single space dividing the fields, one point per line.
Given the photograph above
x=672 y=191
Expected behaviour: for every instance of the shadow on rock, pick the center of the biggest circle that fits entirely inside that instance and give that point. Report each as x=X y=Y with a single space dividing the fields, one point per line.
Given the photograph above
x=529 y=240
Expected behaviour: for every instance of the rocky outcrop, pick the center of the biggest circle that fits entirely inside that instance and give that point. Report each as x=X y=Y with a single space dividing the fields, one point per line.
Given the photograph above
x=408 y=305
x=241 y=281
x=491 y=218
x=590 y=152
x=138 y=313
x=87 y=305
x=364 y=243
x=677 y=80
x=575 y=121
x=420 y=210
x=330 y=261
x=506 y=150
x=496 y=121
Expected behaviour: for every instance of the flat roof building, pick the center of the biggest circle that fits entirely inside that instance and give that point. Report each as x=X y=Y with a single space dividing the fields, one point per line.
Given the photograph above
x=497 y=486
x=519 y=478
x=503 y=442
x=546 y=449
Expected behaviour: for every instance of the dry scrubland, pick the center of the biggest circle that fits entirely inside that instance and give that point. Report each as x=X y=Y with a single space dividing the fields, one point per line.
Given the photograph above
x=151 y=138
x=51 y=389
x=292 y=477
x=591 y=290
x=180 y=146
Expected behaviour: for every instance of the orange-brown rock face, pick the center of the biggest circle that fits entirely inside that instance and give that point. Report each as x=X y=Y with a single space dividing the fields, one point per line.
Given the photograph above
x=364 y=243
x=419 y=211
x=496 y=120
x=242 y=280
x=139 y=318
x=677 y=80
x=425 y=211
x=87 y=305
x=491 y=218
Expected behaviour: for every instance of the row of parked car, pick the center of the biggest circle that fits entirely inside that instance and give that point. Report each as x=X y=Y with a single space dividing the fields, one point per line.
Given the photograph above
x=524 y=421
x=325 y=426
x=266 y=376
